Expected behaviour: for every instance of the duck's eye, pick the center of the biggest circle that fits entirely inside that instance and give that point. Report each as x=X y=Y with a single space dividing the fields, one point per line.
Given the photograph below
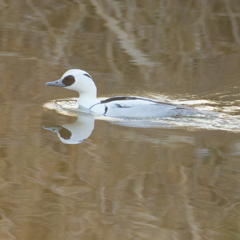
x=65 y=133
x=87 y=75
x=69 y=80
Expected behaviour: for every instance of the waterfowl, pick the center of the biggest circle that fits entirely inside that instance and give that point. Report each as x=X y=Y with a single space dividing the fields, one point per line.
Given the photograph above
x=121 y=106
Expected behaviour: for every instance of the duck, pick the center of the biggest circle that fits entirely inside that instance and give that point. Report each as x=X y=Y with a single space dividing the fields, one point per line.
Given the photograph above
x=119 y=106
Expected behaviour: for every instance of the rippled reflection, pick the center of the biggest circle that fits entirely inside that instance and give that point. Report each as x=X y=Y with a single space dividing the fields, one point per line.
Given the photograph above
x=150 y=181
x=175 y=178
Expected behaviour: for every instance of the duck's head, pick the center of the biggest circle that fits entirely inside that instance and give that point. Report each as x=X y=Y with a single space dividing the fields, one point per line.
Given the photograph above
x=76 y=79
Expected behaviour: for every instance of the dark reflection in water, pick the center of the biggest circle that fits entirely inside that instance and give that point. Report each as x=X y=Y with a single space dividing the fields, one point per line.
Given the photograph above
x=121 y=182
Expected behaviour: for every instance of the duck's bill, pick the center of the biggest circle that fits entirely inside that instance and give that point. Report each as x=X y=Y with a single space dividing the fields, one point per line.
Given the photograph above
x=57 y=83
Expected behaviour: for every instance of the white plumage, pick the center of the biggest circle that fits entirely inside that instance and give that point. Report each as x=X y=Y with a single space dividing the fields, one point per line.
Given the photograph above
x=121 y=107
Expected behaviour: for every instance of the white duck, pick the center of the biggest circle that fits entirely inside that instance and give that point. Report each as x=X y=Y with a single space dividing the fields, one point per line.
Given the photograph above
x=130 y=107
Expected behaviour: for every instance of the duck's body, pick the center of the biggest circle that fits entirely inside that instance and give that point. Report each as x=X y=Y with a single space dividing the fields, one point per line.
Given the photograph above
x=132 y=107
x=138 y=107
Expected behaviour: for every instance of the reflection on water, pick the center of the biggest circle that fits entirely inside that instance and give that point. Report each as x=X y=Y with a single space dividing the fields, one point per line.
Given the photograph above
x=76 y=132
x=210 y=117
x=176 y=180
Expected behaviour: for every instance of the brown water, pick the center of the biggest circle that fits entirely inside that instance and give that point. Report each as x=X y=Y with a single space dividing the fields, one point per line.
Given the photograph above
x=121 y=182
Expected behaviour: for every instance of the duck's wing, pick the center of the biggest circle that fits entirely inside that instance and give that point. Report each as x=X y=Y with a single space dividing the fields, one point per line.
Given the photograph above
x=123 y=99
x=140 y=107
x=126 y=102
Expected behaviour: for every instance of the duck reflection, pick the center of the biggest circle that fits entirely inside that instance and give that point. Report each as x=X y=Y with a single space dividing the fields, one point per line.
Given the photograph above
x=77 y=132
x=82 y=128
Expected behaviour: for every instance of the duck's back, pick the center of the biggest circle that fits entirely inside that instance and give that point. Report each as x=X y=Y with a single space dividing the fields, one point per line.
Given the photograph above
x=142 y=107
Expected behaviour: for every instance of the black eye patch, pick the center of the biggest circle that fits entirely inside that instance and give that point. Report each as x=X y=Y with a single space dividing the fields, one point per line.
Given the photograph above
x=87 y=75
x=69 y=80
x=65 y=133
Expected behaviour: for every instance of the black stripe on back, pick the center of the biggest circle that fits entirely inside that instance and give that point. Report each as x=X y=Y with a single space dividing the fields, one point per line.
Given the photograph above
x=134 y=98
x=122 y=98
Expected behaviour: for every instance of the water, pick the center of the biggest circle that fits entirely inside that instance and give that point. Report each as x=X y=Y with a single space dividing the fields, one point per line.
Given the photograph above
x=175 y=178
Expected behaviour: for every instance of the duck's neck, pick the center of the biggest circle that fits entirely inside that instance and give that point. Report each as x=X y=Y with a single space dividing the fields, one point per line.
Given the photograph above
x=87 y=100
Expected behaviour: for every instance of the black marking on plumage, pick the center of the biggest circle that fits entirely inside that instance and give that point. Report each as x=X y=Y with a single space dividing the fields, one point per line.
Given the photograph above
x=108 y=100
x=118 y=105
x=65 y=133
x=121 y=106
x=68 y=81
x=106 y=109
x=88 y=75
x=119 y=99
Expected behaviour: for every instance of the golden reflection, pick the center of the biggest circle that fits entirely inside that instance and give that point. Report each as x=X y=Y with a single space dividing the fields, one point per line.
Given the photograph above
x=175 y=178
x=122 y=182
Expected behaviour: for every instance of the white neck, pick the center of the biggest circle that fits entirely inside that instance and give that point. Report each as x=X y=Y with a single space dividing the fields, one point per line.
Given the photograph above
x=87 y=100
x=87 y=91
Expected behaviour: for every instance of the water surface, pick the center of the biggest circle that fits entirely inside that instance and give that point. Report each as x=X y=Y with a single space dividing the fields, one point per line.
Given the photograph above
x=121 y=182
